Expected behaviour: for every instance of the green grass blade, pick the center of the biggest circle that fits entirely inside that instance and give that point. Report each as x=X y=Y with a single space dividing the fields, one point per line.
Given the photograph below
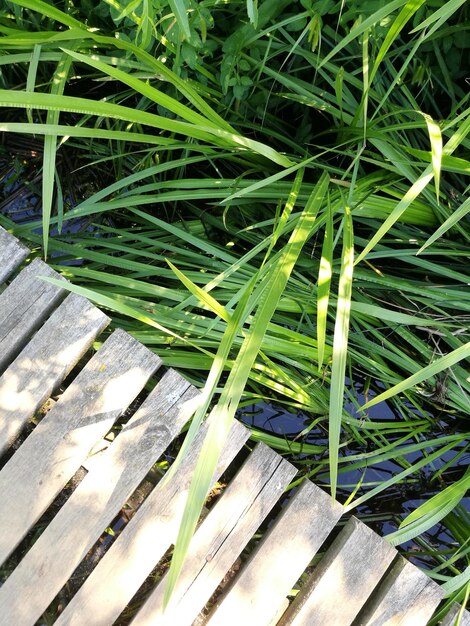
x=340 y=347
x=395 y=317
x=429 y=458
x=252 y=10
x=46 y=9
x=424 y=523
x=50 y=148
x=358 y=30
x=440 y=16
x=439 y=365
x=31 y=77
x=393 y=32
x=233 y=389
x=202 y=295
x=456 y=216
x=115 y=305
x=144 y=88
x=409 y=197
x=180 y=11
x=435 y=137
x=324 y=281
x=71 y=104
x=456 y=490
x=457 y=582
x=266 y=182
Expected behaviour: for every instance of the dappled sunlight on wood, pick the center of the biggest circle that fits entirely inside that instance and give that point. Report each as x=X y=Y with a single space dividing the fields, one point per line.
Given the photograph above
x=353 y=581
x=45 y=362
x=64 y=437
x=146 y=538
x=257 y=594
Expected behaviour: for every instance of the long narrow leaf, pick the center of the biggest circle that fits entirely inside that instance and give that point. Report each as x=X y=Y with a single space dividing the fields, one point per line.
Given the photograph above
x=324 y=281
x=340 y=347
x=456 y=216
x=427 y=372
x=233 y=389
x=180 y=11
x=50 y=146
x=107 y=109
x=31 y=78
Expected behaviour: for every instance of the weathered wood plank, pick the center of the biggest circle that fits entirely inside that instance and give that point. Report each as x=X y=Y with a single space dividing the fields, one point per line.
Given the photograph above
x=96 y=501
x=451 y=618
x=343 y=580
x=53 y=452
x=24 y=305
x=221 y=538
x=143 y=542
x=45 y=362
x=12 y=254
x=260 y=590
x=406 y=596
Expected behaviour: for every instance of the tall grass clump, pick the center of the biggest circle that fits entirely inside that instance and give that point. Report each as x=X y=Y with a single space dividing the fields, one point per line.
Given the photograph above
x=278 y=208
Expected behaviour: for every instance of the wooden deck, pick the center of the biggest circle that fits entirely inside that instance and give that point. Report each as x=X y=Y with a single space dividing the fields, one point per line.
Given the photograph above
x=44 y=334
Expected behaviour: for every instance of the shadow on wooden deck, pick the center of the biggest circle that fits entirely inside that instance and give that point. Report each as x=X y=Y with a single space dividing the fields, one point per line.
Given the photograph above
x=44 y=333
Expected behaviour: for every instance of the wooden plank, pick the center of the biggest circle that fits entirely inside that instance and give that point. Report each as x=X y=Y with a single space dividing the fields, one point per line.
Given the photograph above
x=143 y=542
x=451 y=618
x=53 y=452
x=344 y=579
x=406 y=597
x=24 y=305
x=96 y=501
x=45 y=362
x=259 y=592
x=221 y=538
x=12 y=254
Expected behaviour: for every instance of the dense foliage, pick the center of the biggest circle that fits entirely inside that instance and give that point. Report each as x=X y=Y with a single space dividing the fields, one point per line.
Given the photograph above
x=273 y=197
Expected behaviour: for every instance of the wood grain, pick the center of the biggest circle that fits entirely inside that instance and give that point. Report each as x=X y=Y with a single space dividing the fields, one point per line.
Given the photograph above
x=406 y=597
x=343 y=580
x=54 y=451
x=24 y=305
x=45 y=362
x=451 y=618
x=96 y=501
x=260 y=590
x=142 y=543
x=220 y=539
x=12 y=254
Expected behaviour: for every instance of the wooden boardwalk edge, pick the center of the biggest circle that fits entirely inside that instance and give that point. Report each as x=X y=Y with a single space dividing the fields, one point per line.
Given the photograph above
x=44 y=332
